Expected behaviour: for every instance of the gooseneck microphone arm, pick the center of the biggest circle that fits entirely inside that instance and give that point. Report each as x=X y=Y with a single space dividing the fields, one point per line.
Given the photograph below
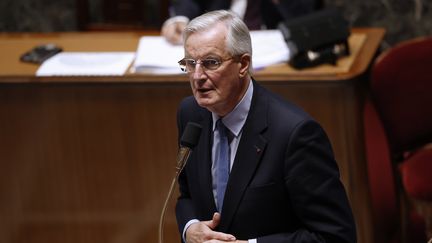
x=188 y=141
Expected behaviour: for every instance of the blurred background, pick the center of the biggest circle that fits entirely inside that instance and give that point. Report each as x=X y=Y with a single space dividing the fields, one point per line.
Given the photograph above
x=403 y=19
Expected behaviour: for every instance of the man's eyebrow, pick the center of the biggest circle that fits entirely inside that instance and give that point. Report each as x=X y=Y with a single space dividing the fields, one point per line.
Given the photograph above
x=206 y=56
x=212 y=56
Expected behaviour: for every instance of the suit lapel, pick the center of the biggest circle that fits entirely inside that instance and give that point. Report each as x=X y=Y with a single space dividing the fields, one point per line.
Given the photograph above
x=251 y=148
x=204 y=163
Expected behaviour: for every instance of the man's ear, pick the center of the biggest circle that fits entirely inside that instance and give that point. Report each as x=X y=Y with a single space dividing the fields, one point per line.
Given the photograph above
x=245 y=62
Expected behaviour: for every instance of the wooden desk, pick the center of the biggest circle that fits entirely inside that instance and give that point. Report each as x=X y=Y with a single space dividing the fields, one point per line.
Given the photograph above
x=89 y=159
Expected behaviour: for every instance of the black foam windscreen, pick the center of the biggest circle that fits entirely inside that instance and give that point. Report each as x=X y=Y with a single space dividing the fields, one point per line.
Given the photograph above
x=321 y=37
x=191 y=135
x=323 y=27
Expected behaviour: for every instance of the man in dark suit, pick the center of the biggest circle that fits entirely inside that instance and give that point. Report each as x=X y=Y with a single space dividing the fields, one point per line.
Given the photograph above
x=283 y=183
x=257 y=14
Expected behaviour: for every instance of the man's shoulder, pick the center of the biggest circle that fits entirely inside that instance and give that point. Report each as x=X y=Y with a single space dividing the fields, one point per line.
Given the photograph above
x=280 y=107
x=189 y=110
x=188 y=103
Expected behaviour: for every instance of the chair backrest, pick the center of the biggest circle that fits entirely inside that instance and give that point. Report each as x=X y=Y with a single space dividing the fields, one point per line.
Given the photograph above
x=115 y=15
x=382 y=183
x=401 y=88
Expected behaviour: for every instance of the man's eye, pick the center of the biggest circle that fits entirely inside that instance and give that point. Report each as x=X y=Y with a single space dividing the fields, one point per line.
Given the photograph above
x=211 y=62
x=190 y=62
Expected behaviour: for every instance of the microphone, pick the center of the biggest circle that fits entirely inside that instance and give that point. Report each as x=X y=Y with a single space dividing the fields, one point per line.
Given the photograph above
x=188 y=141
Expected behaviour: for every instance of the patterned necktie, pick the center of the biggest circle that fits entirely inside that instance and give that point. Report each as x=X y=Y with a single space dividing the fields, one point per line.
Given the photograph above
x=222 y=164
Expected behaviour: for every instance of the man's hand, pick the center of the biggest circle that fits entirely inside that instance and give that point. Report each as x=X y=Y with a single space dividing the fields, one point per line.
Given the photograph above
x=204 y=232
x=219 y=241
x=172 y=31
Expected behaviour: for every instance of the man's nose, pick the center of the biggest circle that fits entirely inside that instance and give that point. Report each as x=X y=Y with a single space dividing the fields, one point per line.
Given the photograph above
x=198 y=72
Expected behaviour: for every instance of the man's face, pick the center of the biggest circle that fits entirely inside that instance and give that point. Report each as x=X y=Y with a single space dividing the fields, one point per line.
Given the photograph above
x=218 y=90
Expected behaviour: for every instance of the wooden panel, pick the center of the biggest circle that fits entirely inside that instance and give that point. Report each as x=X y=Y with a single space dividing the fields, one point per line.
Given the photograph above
x=94 y=161
x=86 y=162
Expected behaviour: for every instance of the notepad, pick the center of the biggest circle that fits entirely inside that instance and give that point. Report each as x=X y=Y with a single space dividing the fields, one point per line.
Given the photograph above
x=87 y=64
x=268 y=48
x=156 y=55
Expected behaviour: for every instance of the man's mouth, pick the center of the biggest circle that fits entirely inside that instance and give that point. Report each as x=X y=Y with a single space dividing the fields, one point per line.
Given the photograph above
x=204 y=90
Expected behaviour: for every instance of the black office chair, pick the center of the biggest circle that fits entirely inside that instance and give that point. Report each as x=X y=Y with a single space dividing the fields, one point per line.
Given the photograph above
x=120 y=15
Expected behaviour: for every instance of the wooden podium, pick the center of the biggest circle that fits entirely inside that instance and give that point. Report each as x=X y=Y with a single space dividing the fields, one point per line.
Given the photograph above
x=90 y=159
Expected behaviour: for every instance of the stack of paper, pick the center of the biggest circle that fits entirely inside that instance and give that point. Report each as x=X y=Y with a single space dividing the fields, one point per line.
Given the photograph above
x=86 y=64
x=156 y=55
x=268 y=48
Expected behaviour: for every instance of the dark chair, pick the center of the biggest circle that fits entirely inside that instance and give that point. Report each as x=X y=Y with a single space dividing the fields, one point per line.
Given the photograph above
x=120 y=15
x=398 y=134
x=385 y=197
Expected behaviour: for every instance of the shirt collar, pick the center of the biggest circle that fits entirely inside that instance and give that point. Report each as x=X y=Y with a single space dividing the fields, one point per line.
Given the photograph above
x=235 y=120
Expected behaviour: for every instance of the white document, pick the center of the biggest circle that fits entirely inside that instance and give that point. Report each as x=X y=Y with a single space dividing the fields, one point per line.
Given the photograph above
x=86 y=64
x=268 y=48
x=156 y=55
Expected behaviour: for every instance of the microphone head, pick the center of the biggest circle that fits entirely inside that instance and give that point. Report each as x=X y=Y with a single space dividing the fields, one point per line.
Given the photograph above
x=191 y=135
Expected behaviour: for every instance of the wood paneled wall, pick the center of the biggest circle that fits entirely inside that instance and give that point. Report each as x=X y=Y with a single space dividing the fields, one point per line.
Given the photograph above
x=87 y=162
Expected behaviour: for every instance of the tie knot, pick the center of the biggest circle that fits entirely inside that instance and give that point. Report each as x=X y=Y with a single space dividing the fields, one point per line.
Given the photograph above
x=223 y=130
x=220 y=125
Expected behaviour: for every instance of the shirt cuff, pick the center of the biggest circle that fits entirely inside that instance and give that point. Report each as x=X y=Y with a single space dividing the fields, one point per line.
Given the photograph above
x=190 y=222
x=187 y=226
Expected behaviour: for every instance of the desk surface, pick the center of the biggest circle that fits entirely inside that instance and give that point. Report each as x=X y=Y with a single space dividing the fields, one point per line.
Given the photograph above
x=363 y=44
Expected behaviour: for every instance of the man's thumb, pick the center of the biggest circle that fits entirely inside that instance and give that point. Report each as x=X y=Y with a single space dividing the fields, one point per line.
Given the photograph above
x=214 y=222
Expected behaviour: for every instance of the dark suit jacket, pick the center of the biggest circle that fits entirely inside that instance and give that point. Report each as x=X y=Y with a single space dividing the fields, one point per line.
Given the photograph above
x=271 y=13
x=284 y=184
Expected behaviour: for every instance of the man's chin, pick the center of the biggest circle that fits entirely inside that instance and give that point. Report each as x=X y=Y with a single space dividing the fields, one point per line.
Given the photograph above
x=204 y=101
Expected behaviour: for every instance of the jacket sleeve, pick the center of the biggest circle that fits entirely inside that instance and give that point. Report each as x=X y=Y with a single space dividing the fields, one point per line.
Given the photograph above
x=317 y=195
x=185 y=210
